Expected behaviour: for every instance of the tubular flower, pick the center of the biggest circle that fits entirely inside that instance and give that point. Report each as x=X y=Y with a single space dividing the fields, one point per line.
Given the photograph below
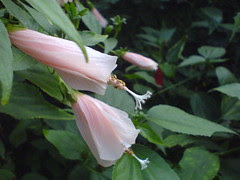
x=102 y=21
x=62 y=2
x=67 y=59
x=107 y=131
x=140 y=61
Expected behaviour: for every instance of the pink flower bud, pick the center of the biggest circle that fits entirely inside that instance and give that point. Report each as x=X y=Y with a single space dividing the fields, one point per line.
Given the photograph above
x=140 y=61
x=102 y=21
x=107 y=131
x=67 y=59
x=62 y=2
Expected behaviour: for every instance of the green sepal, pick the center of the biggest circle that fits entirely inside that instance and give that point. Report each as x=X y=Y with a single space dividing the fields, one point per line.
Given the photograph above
x=14 y=27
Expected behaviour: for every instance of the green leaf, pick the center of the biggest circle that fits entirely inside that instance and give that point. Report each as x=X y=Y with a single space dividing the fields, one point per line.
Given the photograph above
x=236 y=26
x=128 y=168
x=27 y=103
x=41 y=76
x=230 y=108
x=21 y=61
x=110 y=44
x=205 y=106
x=89 y=19
x=210 y=52
x=53 y=11
x=6 y=72
x=2 y=150
x=178 y=139
x=118 y=98
x=230 y=168
x=19 y=14
x=6 y=174
x=77 y=172
x=168 y=70
x=225 y=76
x=141 y=89
x=232 y=90
x=19 y=134
x=91 y=38
x=175 y=52
x=41 y=20
x=147 y=132
x=192 y=60
x=144 y=75
x=213 y=17
x=105 y=175
x=177 y=120
x=69 y=145
x=198 y=164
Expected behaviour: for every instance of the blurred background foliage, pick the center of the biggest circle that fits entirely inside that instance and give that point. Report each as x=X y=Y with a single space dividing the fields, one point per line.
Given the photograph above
x=189 y=128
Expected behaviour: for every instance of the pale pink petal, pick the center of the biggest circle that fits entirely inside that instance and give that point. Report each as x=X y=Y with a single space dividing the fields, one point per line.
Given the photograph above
x=64 y=54
x=102 y=21
x=79 y=81
x=104 y=128
x=140 y=61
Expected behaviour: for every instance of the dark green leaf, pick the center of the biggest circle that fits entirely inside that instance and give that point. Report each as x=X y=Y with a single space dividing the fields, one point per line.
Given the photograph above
x=230 y=108
x=110 y=44
x=19 y=14
x=175 y=52
x=19 y=135
x=91 y=38
x=192 y=60
x=144 y=75
x=41 y=20
x=6 y=72
x=45 y=78
x=210 y=52
x=232 y=90
x=177 y=120
x=198 y=164
x=168 y=70
x=21 y=61
x=205 y=106
x=27 y=103
x=128 y=168
x=69 y=145
x=178 y=139
x=236 y=26
x=53 y=11
x=147 y=132
x=118 y=98
x=225 y=76
x=6 y=174
x=89 y=19
x=78 y=172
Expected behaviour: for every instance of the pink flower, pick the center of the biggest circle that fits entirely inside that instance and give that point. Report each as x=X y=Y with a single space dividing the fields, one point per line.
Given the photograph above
x=107 y=131
x=67 y=59
x=102 y=21
x=62 y=2
x=140 y=61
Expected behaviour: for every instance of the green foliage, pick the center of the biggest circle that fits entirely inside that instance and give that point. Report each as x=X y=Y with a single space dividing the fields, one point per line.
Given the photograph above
x=6 y=71
x=157 y=169
x=188 y=128
x=68 y=144
x=198 y=164
x=177 y=120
